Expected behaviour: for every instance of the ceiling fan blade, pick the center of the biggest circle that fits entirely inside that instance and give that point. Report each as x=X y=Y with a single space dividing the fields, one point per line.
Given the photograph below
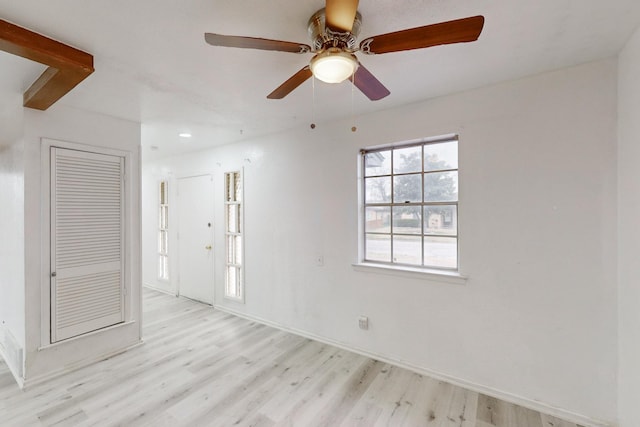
x=340 y=14
x=255 y=43
x=368 y=84
x=294 y=81
x=458 y=31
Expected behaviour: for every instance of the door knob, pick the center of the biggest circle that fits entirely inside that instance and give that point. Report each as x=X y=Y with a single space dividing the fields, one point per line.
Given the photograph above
x=208 y=247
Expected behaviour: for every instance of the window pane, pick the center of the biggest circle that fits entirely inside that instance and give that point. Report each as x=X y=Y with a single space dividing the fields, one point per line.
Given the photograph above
x=163 y=267
x=378 y=220
x=164 y=217
x=230 y=250
x=407 y=160
x=377 y=163
x=441 y=156
x=238 y=246
x=233 y=288
x=377 y=190
x=407 y=219
x=407 y=250
x=234 y=250
x=162 y=242
x=407 y=188
x=228 y=183
x=378 y=247
x=441 y=187
x=441 y=252
x=237 y=187
x=232 y=282
x=441 y=220
x=232 y=218
x=163 y=193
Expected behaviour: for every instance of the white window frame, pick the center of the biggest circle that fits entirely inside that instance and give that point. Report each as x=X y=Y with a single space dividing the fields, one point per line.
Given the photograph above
x=392 y=267
x=231 y=202
x=163 y=229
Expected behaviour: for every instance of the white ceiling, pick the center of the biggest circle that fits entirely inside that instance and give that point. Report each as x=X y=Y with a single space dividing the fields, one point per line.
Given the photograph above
x=153 y=66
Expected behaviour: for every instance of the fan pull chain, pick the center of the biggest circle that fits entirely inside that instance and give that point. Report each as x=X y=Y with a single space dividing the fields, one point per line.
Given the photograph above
x=313 y=102
x=353 y=89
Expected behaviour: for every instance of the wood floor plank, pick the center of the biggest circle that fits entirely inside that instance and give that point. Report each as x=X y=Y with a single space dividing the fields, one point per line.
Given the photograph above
x=383 y=397
x=312 y=389
x=199 y=366
x=549 y=421
x=498 y=413
x=351 y=392
x=279 y=384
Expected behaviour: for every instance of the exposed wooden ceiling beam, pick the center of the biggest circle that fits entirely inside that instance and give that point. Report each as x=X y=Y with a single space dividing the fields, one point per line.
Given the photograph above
x=67 y=66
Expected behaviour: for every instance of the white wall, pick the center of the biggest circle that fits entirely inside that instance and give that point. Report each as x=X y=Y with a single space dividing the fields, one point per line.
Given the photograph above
x=537 y=319
x=71 y=125
x=12 y=330
x=629 y=230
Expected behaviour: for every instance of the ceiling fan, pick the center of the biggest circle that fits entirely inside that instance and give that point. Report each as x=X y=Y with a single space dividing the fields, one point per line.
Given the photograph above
x=334 y=30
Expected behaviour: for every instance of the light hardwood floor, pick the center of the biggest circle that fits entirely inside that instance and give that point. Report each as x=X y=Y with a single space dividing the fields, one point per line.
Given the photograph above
x=202 y=367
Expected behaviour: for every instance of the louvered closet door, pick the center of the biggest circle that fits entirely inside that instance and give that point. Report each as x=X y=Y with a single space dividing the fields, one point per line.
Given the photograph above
x=87 y=237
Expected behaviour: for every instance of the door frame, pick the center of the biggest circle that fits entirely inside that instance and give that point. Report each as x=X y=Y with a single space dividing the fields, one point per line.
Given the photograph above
x=213 y=236
x=45 y=229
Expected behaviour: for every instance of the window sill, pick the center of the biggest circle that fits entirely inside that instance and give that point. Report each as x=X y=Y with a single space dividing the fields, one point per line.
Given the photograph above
x=414 y=273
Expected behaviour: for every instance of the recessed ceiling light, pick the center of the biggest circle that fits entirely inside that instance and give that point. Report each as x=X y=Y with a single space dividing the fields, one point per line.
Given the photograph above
x=184 y=135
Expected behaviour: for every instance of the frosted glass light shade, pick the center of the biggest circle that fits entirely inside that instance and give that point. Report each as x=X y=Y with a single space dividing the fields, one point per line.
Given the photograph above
x=333 y=65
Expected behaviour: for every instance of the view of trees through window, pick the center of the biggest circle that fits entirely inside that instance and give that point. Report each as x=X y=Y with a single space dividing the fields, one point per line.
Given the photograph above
x=411 y=204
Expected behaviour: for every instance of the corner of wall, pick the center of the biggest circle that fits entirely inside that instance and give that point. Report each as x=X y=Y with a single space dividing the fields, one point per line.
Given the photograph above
x=71 y=126
x=628 y=233
x=12 y=353
x=12 y=263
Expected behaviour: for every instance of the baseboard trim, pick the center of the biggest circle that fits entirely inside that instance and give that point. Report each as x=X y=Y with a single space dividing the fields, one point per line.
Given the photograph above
x=469 y=385
x=163 y=291
x=30 y=382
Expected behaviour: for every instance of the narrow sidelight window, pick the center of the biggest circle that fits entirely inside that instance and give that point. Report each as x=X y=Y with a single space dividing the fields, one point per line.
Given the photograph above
x=233 y=206
x=163 y=231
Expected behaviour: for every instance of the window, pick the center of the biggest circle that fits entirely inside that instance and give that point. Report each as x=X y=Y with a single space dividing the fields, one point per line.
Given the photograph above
x=410 y=200
x=163 y=231
x=233 y=236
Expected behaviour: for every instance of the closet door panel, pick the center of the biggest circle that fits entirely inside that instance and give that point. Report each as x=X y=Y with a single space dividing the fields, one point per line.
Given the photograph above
x=87 y=242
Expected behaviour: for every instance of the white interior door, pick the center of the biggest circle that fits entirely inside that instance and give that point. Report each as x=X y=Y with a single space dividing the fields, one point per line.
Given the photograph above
x=195 y=238
x=87 y=242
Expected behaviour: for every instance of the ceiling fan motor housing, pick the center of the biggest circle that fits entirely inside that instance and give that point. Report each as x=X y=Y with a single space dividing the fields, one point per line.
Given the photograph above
x=323 y=37
x=334 y=31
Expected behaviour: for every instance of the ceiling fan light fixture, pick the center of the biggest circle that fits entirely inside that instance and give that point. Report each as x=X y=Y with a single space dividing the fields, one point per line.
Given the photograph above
x=333 y=65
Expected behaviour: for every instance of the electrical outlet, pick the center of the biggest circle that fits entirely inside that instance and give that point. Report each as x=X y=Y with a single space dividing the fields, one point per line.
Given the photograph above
x=363 y=322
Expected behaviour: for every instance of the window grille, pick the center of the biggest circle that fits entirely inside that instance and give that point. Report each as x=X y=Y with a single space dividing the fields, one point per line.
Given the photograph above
x=163 y=231
x=233 y=204
x=410 y=204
